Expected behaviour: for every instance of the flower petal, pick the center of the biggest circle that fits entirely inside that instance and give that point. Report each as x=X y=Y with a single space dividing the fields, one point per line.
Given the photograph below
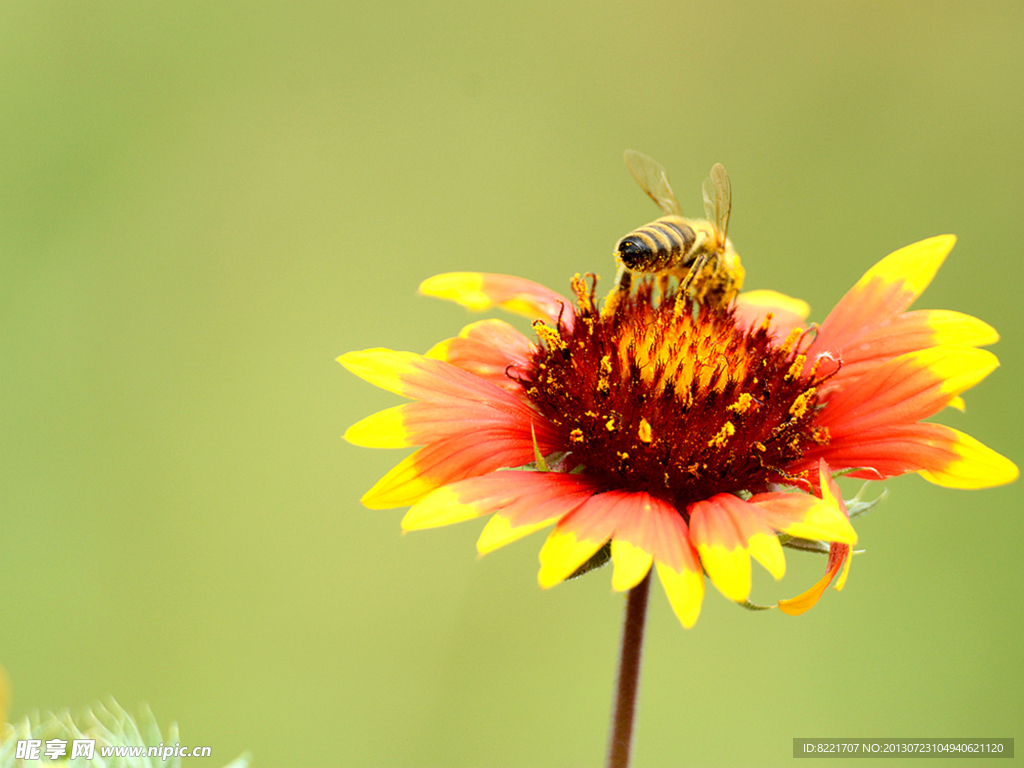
x=480 y=290
x=973 y=465
x=910 y=332
x=806 y=516
x=445 y=461
x=803 y=602
x=646 y=529
x=491 y=349
x=838 y=555
x=429 y=380
x=525 y=497
x=582 y=532
x=684 y=589
x=940 y=454
x=753 y=308
x=883 y=292
x=442 y=506
x=502 y=529
x=728 y=531
x=630 y=563
x=722 y=552
x=384 y=429
x=424 y=423
x=904 y=390
x=563 y=552
x=642 y=524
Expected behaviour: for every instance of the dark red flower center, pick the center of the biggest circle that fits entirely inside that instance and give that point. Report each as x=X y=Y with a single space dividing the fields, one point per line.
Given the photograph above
x=675 y=400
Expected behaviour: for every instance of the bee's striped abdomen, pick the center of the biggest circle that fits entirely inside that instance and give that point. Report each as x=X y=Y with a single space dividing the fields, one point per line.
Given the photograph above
x=660 y=245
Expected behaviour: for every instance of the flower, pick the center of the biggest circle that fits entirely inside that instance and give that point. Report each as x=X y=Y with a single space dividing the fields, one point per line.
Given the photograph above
x=687 y=438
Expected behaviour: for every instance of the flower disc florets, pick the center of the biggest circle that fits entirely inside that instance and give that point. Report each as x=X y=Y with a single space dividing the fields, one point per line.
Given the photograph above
x=674 y=399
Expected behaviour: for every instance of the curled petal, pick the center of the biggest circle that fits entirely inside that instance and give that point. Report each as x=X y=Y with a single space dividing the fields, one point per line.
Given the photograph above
x=838 y=556
x=838 y=553
x=481 y=290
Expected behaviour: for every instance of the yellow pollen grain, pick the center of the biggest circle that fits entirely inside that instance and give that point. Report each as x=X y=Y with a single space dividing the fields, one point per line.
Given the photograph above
x=591 y=414
x=623 y=455
x=610 y=424
x=821 y=435
x=645 y=431
x=686 y=400
x=727 y=431
x=576 y=435
x=549 y=335
x=743 y=403
x=604 y=375
x=760 y=447
x=797 y=367
x=791 y=340
x=579 y=287
x=802 y=403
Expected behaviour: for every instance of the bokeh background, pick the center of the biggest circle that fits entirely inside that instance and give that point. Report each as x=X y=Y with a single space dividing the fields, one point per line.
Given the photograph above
x=203 y=204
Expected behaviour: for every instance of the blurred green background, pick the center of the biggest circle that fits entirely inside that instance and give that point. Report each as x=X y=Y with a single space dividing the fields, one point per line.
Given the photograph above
x=203 y=204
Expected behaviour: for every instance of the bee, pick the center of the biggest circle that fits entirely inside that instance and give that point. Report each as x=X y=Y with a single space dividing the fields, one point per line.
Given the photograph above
x=696 y=251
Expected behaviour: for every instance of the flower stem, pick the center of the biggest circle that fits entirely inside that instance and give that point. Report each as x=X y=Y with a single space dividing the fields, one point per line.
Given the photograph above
x=621 y=736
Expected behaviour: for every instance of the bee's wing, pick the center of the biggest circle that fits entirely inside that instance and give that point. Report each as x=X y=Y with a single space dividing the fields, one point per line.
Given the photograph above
x=653 y=179
x=718 y=198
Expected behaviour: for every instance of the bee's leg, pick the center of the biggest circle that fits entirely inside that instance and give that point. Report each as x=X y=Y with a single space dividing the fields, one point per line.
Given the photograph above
x=623 y=283
x=687 y=282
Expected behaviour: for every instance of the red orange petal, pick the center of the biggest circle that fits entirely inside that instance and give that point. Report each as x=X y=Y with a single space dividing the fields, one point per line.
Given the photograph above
x=838 y=556
x=445 y=461
x=753 y=308
x=910 y=332
x=940 y=454
x=906 y=389
x=481 y=290
x=527 y=496
x=885 y=291
x=491 y=349
x=723 y=549
x=806 y=516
